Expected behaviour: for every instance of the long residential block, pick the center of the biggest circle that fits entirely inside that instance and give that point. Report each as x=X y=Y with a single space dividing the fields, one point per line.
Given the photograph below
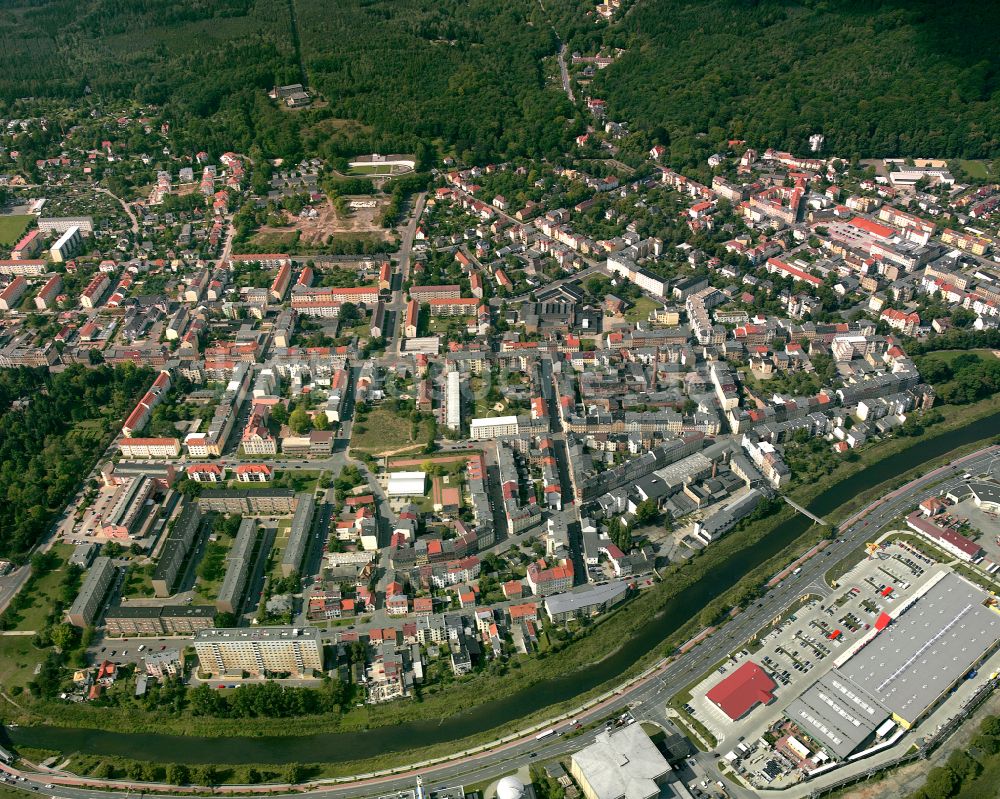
x=259 y=650
x=95 y=587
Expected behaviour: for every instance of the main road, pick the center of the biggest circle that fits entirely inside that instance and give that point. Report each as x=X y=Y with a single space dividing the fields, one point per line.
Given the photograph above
x=645 y=697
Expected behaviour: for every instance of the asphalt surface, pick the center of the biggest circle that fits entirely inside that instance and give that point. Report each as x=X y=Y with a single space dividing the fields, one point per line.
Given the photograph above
x=646 y=699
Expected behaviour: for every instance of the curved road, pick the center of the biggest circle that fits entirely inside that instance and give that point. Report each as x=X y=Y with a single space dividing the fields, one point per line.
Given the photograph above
x=646 y=697
x=125 y=207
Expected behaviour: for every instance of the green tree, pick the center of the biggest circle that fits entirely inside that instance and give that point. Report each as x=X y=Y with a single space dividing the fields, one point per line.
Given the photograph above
x=178 y=774
x=349 y=313
x=294 y=773
x=207 y=775
x=300 y=421
x=941 y=783
x=279 y=412
x=646 y=512
x=65 y=636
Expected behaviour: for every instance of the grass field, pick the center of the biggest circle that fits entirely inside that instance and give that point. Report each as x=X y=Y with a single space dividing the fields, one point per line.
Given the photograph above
x=372 y=169
x=43 y=593
x=18 y=659
x=273 y=242
x=640 y=311
x=950 y=355
x=384 y=431
x=12 y=228
x=212 y=569
x=278 y=549
x=39 y=602
x=139 y=582
x=447 y=324
x=975 y=169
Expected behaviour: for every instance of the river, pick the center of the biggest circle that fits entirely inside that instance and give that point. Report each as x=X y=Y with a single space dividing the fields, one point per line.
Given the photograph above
x=350 y=746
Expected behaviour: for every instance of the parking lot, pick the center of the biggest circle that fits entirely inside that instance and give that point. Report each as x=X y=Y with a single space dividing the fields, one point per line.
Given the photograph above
x=983 y=523
x=802 y=646
x=133 y=650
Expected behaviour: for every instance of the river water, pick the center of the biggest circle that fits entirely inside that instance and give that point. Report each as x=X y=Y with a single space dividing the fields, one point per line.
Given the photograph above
x=350 y=746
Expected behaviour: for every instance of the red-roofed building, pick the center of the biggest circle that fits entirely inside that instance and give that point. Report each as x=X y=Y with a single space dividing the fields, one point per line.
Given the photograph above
x=513 y=589
x=906 y=323
x=397 y=604
x=526 y=612
x=950 y=541
x=423 y=605
x=411 y=319
x=458 y=306
x=206 y=473
x=775 y=266
x=544 y=580
x=743 y=690
x=872 y=228
x=253 y=473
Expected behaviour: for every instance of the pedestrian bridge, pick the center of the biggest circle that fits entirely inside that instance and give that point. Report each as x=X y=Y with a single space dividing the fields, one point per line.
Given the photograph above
x=803 y=511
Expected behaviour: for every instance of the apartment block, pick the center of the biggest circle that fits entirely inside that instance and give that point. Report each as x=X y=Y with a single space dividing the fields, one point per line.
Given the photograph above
x=175 y=549
x=83 y=612
x=150 y=448
x=238 y=560
x=269 y=502
x=260 y=650
x=145 y=621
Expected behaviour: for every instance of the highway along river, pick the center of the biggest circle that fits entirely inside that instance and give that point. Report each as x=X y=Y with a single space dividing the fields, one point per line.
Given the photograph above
x=338 y=747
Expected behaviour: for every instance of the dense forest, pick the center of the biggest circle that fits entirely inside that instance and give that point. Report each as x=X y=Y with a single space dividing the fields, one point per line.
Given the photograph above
x=469 y=74
x=876 y=77
x=208 y=64
x=52 y=428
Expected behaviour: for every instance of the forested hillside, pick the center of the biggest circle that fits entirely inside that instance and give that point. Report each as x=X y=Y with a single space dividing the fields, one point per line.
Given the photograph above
x=468 y=72
x=877 y=77
x=208 y=63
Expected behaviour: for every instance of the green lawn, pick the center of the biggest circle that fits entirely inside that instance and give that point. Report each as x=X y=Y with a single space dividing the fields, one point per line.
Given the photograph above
x=447 y=324
x=975 y=169
x=371 y=169
x=274 y=241
x=43 y=593
x=950 y=355
x=39 y=603
x=640 y=311
x=212 y=569
x=18 y=659
x=278 y=549
x=12 y=228
x=139 y=582
x=383 y=431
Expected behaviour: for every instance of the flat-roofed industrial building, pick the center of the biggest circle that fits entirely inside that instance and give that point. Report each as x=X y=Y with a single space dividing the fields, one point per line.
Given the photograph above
x=933 y=643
